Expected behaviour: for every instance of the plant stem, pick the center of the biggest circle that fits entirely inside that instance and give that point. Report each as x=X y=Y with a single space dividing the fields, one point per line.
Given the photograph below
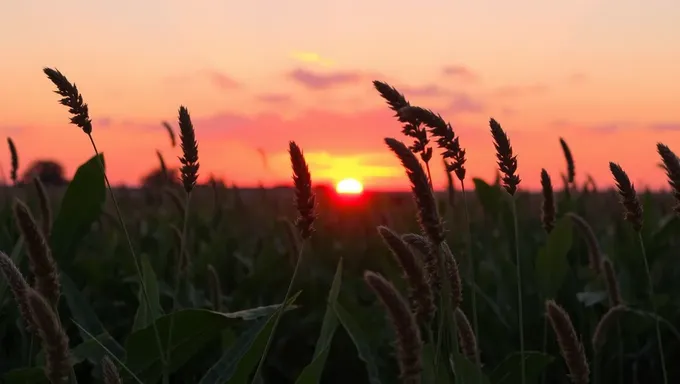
x=650 y=291
x=180 y=260
x=471 y=262
x=132 y=250
x=279 y=312
x=620 y=337
x=429 y=175
x=520 y=301
x=545 y=344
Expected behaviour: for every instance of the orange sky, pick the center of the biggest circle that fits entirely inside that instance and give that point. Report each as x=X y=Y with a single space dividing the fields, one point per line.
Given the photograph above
x=603 y=74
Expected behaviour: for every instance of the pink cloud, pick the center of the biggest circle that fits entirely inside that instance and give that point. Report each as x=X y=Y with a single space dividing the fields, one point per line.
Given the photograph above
x=520 y=90
x=665 y=126
x=274 y=98
x=315 y=80
x=430 y=90
x=460 y=72
x=221 y=81
x=578 y=78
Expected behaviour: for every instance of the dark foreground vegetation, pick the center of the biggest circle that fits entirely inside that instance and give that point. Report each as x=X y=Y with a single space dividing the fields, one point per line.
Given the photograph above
x=483 y=283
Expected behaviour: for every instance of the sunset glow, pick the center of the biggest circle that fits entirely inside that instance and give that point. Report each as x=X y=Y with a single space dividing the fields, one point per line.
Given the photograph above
x=257 y=74
x=349 y=187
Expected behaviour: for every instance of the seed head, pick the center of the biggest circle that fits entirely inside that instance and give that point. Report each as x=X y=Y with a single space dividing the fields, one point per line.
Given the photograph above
x=40 y=259
x=548 y=211
x=53 y=337
x=421 y=297
x=571 y=347
x=72 y=99
x=507 y=162
x=189 y=159
x=571 y=172
x=14 y=159
x=305 y=199
x=468 y=340
x=409 y=343
x=423 y=247
x=428 y=214
x=110 y=372
x=17 y=284
x=629 y=197
x=671 y=165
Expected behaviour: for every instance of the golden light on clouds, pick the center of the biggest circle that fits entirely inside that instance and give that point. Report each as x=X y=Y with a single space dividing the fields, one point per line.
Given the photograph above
x=311 y=57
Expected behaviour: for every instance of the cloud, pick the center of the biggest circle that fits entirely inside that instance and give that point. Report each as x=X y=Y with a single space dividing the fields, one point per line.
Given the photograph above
x=460 y=72
x=314 y=80
x=430 y=90
x=220 y=80
x=275 y=98
x=664 y=126
x=464 y=103
x=605 y=127
x=577 y=78
x=520 y=90
x=311 y=57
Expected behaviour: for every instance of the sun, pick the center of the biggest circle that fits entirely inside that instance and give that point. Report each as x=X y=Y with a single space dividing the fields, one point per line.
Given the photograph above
x=349 y=187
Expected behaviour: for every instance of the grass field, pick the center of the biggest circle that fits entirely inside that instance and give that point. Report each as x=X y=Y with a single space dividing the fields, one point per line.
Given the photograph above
x=215 y=270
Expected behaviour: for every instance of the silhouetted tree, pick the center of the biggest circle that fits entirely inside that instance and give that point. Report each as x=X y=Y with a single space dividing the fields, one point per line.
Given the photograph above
x=160 y=178
x=49 y=171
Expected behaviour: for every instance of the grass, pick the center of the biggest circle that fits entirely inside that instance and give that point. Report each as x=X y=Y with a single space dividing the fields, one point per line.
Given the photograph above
x=221 y=293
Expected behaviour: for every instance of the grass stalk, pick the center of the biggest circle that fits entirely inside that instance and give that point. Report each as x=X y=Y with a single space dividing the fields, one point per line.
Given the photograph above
x=182 y=250
x=279 y=312
x=471 y=262
x=520 y=301
x=138 y=269
x=650 y=292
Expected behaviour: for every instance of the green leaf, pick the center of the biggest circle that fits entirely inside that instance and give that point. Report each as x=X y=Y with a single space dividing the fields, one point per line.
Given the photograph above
x=147 y=313
x=360 y=341
x=81 y=206
x=552 y=264
x=490 y=197
x=311 y=374
x=83 y=313
x=237 y=363
x=430 y=372
x=467 y=371
x=35 y=375
x=192 y=330
x=509 y=370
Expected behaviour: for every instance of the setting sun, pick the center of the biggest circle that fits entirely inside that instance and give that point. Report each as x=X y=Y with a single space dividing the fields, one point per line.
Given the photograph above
x=349 y=186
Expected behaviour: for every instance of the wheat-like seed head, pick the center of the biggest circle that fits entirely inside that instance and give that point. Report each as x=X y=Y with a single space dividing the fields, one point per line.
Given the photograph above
x=612 y=283
x=53 y=337
x=428 y=214
x=412 y=127
x=594 y=253
x=72 y=99
x=605 y=323
x=507 y=162
x=171 y=133
x=18 y=285
x=548 y=208
x=450 y=187
x=468 y=340
x=571 y=171
x=446 y=137
x=570 y=346
x=14 y=160
x=408 y=341
x=110 y=372
x=40 y=258
x=305 y=199
x=421 y=297
x=422 y=246
x=453 y=271
x=671 y=165
x=45 y=208
x=629 y=197
x=189 y=157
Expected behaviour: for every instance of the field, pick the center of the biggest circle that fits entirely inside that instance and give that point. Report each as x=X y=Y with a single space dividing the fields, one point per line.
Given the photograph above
x=215 y=267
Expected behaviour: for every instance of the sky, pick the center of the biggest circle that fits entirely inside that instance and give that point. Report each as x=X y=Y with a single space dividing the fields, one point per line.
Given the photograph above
x=602 y=74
